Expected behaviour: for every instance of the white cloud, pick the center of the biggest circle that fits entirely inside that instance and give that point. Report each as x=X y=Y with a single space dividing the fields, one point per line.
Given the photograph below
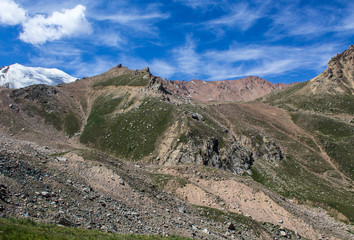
x=162 y=68
x=307 y=21
x=11 y=13
x=130 y=19
x=69 y=22
x=241 y=16
x=241 y=60
x=198 y=3
x=127 y=18
x=186 y=58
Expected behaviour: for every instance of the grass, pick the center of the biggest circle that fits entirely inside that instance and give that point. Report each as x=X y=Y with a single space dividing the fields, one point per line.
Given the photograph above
x=53 y=119
x=124 y=80
x=97 y=121
x=26 y=229
x=324 y=103
x=132 y=135
x=335 y=136
x=71 y=124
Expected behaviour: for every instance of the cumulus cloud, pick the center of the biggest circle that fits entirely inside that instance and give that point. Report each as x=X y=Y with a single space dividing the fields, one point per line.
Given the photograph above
x=11 y=13
x=69 y=22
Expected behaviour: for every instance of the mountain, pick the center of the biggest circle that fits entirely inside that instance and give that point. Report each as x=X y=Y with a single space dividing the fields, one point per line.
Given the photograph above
x=330 y=92
x=122 y=152
x=245 y=89
x=18 y=76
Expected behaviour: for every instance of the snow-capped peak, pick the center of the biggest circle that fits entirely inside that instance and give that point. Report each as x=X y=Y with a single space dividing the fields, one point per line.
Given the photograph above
x=18 y=76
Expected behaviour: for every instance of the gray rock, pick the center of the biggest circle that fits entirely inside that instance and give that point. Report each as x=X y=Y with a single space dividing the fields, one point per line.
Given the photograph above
x=65 y=222
x=45 y=194
x=61 y=159
x=197 y=117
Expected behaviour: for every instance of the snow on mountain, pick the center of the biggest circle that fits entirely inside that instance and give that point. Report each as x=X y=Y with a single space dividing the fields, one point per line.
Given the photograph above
x=18 y=76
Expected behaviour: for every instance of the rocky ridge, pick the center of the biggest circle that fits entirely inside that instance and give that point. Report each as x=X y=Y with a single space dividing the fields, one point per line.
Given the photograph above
x=245 y=89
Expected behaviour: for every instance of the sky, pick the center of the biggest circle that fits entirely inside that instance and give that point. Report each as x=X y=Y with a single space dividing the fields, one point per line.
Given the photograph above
x=281 y=41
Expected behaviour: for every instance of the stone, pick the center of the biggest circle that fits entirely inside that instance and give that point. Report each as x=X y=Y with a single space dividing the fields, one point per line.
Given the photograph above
x=65 y=222
x=3 y=192
x=45 y=194
x=61 y=159
x=197 y=117
x=231 y=226
x=181 y=209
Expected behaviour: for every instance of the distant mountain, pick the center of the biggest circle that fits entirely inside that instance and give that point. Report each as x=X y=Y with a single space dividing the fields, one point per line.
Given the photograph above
x=245 y=89
x=18 y=76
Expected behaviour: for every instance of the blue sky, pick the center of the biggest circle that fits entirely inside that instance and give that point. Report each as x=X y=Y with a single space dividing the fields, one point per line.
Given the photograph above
x=281 y=41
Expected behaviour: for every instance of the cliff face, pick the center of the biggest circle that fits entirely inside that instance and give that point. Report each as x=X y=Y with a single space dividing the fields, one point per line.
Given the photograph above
x=234 y=153
x=245 y=89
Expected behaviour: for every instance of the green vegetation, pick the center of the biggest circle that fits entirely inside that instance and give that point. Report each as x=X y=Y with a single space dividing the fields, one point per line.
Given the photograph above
x=291 y=99
x=57 y=118
x=279 y=95
x=53 y=119
x=132 y=134
x=97 y=122
x=336 y=136
x=27 y=229
x=71 y=124
x=124 y=80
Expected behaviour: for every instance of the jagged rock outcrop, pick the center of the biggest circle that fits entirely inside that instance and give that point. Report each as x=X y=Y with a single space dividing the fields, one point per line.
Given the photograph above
x=338 y=78
x=236 y=155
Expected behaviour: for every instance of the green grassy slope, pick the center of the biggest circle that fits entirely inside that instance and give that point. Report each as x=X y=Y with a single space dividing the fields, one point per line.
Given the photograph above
x=26 y=229
x=132 y=134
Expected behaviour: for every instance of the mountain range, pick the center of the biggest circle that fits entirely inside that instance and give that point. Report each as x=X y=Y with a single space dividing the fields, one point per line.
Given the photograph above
x=129 y=152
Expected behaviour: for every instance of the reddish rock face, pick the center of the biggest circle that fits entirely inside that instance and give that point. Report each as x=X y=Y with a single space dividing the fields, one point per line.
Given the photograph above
x=245 y=89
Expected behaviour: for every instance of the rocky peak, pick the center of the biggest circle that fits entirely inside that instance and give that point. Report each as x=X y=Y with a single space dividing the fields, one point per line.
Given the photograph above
x=339 y=75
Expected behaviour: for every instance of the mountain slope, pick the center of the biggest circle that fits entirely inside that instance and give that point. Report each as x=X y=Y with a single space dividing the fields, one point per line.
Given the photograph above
x=277 y=165
x=18 y=76
x=245 y=89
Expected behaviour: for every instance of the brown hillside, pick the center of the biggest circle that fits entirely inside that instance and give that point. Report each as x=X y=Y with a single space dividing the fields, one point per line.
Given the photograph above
x=245 y=89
